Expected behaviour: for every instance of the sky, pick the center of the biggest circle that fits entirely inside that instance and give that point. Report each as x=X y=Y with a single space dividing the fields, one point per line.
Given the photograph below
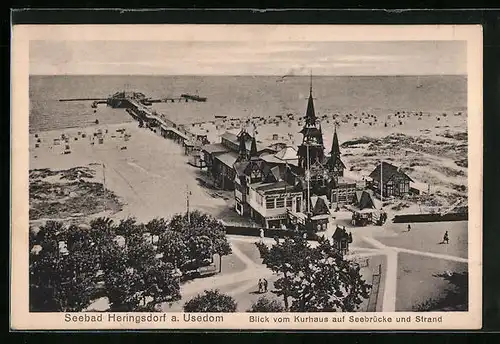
x=63 y=57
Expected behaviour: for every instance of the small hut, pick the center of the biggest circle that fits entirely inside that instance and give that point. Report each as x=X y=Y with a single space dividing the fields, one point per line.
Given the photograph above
x=366 y=209
x=341 y=240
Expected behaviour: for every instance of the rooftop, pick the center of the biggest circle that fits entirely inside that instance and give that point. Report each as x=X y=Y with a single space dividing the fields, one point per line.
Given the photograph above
x=215 y=148
x=386 y=171
x=228 y=158
x=272 y=186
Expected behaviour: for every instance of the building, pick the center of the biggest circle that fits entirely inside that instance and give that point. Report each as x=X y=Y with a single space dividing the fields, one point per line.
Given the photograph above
x=366 y=209
x=291 y=188
x=220 y=157
x=390 y=180
x=343 y=192
x=341 y=240
x=264 y=190
x=318 y=173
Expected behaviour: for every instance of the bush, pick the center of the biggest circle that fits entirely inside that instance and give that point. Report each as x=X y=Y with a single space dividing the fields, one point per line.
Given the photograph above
x=264 y=305
x=211 y=301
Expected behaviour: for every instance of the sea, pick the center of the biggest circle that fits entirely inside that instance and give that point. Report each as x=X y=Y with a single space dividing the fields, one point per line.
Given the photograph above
x=241 y=96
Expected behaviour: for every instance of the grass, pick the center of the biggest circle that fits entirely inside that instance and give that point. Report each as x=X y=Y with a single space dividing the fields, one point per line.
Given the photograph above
x=63 y=200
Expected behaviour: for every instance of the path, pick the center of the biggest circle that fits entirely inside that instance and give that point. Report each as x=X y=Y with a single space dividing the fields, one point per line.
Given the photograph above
x=391 y=274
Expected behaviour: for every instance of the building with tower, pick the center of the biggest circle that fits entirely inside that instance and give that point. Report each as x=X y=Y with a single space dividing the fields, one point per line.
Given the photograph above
x=292 y=188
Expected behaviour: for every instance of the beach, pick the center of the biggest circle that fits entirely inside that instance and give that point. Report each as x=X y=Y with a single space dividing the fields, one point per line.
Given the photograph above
x=422 y=132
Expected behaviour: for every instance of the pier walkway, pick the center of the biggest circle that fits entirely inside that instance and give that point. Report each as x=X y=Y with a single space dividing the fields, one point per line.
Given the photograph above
x=168 y=128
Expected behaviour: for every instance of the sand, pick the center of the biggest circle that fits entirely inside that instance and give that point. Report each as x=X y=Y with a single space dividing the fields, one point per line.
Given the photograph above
x=151 y=176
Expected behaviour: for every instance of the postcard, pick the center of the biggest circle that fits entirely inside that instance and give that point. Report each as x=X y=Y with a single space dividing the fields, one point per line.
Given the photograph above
x=261 y=177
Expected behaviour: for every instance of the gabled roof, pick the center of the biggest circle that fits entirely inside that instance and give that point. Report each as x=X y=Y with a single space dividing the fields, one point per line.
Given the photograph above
x=366 y=200
x=227 y=159
x=388 y=172
x=340 y=234
x=319 y=205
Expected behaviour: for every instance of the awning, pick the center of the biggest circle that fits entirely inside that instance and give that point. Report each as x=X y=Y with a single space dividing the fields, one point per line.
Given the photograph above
x=320 y=217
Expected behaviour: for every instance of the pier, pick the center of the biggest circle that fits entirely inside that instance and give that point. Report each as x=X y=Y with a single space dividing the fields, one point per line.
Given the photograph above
x=167 y=128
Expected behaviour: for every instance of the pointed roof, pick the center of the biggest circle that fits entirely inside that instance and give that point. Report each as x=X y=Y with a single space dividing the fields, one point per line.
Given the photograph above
x=253 y=148
x=310 y=113
x=388 y=171
x=319 y=205
x=335 y=144
x=340 y=234
x=366 y=200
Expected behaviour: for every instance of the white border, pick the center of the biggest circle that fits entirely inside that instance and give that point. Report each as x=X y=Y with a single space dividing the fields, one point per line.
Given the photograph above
x=22 y=34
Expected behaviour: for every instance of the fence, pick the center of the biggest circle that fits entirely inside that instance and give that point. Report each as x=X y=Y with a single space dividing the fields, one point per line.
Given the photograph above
x=372 y=301
x=268 y=232
x=430 y=217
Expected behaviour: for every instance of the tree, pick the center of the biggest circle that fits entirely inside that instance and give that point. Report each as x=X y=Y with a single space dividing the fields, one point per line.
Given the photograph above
x=173 y=247
x=211 y=301
x=265 y=305
x=200 y=224
x=314 y=279
x=157 y=226
x=68 y=279
x=61 y=280
x=135 y=277
x=200 y=249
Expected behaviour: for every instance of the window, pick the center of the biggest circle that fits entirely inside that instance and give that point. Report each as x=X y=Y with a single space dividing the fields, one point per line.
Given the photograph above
x=280 y=203
x=270 y=203
x=289 y=202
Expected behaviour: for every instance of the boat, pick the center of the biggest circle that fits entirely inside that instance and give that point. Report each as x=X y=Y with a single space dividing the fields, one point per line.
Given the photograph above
x=195 y=98
x=218 y=116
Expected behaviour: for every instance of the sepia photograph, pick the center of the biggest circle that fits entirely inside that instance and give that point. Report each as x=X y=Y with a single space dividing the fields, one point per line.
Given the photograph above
x=250 y=174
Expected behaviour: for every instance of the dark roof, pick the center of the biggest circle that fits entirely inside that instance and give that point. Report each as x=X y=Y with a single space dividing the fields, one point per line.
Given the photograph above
x=333 y=159
x=388 y=171
x=310 y=114
x=228 y=158
x=366 y=200
x=215 y=148
x=340 y=234
x=240 y=168
x=319 y=205
x=230 y=137
x=335 y=144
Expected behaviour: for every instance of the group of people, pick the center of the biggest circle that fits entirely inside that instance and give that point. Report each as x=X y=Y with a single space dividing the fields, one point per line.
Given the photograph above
x=262 y=285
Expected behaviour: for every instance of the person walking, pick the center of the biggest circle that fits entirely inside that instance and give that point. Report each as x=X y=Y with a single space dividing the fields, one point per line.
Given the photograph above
x=409 y=227
x=446 y=239
x=264 y=281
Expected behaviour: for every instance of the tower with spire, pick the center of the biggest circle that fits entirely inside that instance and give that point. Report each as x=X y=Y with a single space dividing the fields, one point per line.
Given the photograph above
x=335 y=165
x=311 y=151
